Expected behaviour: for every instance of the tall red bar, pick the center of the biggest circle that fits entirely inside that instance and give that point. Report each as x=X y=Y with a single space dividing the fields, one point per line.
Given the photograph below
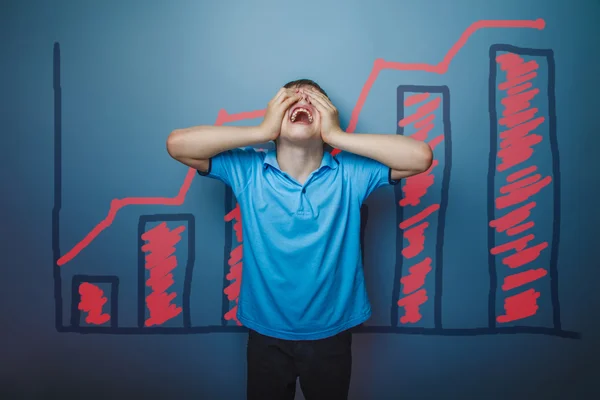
x=523 y=189
x=423 y=114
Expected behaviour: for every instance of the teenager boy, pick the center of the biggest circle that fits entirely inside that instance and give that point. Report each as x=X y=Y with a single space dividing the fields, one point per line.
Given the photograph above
x=302 y=287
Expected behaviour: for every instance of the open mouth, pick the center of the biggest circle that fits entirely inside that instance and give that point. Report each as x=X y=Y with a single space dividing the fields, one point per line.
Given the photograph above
x=301 y=115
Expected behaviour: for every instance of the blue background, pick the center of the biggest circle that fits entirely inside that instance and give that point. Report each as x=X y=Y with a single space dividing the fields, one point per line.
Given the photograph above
x=133 y=71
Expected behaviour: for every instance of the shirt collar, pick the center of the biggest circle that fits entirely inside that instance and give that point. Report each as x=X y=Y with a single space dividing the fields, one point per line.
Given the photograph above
x=327 y=161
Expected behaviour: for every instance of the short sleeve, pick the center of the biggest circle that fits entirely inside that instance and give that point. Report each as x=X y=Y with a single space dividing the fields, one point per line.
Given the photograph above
x=365 y=174
x=233 y=167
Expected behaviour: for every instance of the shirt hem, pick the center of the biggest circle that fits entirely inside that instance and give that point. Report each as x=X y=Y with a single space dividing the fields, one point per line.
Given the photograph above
x=287 y=335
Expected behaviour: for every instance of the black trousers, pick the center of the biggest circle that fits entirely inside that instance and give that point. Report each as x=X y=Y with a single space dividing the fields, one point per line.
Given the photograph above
x=322 y=366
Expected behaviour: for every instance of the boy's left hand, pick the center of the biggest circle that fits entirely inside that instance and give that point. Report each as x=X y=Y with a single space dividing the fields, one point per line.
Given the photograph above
x=330 y=122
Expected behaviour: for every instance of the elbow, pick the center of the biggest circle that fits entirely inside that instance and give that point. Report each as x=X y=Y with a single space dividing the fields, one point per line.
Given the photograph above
x=425 y=157
x=174 y=143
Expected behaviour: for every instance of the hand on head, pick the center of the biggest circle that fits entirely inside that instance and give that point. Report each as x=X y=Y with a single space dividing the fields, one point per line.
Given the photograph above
x=276 y=109
x=330 y=122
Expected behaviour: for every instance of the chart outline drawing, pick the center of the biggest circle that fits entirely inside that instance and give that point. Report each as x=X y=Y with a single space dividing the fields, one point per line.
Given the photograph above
x=189 y=328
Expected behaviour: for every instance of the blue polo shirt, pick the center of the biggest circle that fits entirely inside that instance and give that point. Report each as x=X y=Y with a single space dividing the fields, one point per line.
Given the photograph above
x=302 y=274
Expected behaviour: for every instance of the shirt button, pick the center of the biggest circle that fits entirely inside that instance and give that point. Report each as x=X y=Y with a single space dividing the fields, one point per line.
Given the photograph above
x=304 y=190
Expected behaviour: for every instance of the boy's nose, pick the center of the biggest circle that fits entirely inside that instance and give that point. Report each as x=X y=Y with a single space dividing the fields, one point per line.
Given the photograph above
x=304 y=97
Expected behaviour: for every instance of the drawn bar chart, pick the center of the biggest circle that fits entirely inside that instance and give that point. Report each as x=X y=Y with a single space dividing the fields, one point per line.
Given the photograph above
x=523 y=284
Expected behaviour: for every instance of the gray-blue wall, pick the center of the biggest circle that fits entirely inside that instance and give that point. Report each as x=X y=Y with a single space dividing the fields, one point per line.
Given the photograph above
x=106 y=82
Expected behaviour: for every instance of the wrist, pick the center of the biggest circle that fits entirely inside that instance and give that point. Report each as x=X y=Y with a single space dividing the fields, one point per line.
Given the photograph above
x=263 y=134
x=334 y=137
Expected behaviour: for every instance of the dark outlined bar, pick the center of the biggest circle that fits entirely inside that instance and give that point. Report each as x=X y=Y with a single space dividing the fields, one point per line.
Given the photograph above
x=230 y=239
x=436 y=195
x=547 y=286
x=113 y=282
x=189 y=268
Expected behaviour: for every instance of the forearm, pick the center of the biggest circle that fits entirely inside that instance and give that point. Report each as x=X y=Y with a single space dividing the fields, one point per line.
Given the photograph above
x=205 y=141
x=398 y=152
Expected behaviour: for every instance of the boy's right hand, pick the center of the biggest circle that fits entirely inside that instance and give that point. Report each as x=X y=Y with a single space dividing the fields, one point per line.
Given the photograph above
x=271 y=125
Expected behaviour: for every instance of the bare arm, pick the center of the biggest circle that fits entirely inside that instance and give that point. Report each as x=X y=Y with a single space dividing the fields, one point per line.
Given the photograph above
x=404 y=155
x=196 y=145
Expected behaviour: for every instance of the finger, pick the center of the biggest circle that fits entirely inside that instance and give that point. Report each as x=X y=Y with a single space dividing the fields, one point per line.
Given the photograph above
x=287 y=94
x=320 y=95
x=324 y=99
x=278 y=95
x=320 y=104
x=282 y=94
x=291 y=100
x=313 y=93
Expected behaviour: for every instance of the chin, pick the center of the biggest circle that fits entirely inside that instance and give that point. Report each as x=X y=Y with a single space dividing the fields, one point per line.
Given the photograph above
x=300 y=132
x=301 y=136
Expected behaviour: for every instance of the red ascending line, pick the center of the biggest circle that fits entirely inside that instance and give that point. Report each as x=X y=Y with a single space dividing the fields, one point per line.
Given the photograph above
x=224 y=117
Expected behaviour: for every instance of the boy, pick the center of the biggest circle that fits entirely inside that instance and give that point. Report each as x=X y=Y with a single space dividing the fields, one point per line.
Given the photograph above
x=302 y=288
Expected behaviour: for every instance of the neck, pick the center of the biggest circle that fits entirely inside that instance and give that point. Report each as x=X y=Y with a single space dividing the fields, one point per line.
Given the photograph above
x=299 y=162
